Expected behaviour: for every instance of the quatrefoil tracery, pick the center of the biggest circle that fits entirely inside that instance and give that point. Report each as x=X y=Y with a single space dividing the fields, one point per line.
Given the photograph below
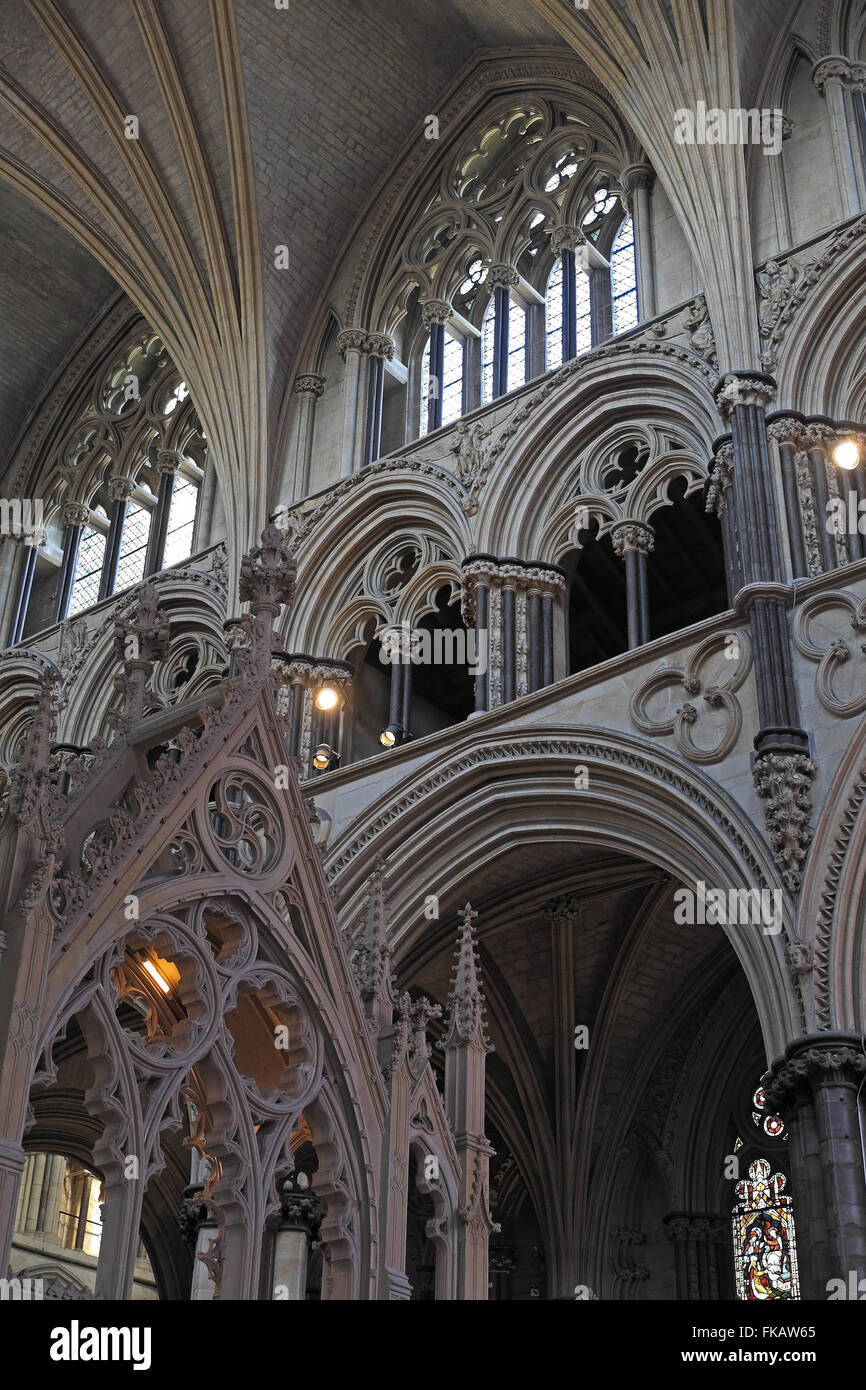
x=834 y=653
x=716 y=696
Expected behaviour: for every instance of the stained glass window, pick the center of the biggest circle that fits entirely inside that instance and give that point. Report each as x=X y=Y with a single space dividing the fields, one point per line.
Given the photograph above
x=133 y=547
x=88 y=570
x=765 y=1251
x=553 y=311
x=181 y=520
x=516 y=345
x=488 y=329
x=772 y=1125
x=623 y=278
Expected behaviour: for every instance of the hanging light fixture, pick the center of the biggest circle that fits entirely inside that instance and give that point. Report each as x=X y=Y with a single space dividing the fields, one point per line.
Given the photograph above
x=324 y=757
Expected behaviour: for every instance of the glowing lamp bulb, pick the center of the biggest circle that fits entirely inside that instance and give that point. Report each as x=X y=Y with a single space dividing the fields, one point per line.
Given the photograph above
x=846 y=454
x=388 y=738
x=322 y=757
x=327 y=697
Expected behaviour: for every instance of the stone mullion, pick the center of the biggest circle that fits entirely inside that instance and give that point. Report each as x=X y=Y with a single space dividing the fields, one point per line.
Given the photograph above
x=76 y=518
x=633 y=541
x=167 y=462
x=500 y=278
x=121 y=490
x=569 y=305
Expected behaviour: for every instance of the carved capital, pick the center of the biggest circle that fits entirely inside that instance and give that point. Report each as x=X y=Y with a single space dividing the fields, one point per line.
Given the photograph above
x=833 y=68
x=351 y=340
x=636 y=176
x=168 y=460
x=818 y=436
x=743 y=388
x=787 y=430
x=380 y=345
x=502 y=276
x=832 y=1059
x=120 y=489
x=75 y=514
x=784 y=782
x=684 y=1225
x=309 y=385
x=632 y=535
x=566 y=237
x=300 y=1209
x=359 y=340
x=435 y=311
x=565 y=911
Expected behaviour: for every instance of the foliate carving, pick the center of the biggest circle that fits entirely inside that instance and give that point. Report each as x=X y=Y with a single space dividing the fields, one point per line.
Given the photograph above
x=812 y=273
x=268 y=574
x=75 y=514
x=835 y=68
x=435 y=311
x=703 y=1229
x=699 y=327
x=811 y=539
x=466 y=1021
x=836 y=653
x=787 y=430
x=120 y=489
x=848 y=822
x=818 y=436
x=784 y=781
x=566 y=237
x=632 y=535
x=720 y=479
x=502 y=276
x=420 y=1051
x=734 y=661
x=566 y=911
x=360 y=340
x=309 y=384
x=735 y=390
x=168 y=460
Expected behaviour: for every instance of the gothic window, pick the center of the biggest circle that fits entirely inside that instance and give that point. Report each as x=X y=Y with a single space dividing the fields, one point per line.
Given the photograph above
x=765 y=1250
x=88 y=571
x=623 y=278
x=133 y=546
x=553 y=313
x=452 y=380
x=181 y=521
x=771 y=1125
x=516 y=345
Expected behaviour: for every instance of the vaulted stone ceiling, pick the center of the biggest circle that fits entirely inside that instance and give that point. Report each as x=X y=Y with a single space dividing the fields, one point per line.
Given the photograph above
x=259 y=127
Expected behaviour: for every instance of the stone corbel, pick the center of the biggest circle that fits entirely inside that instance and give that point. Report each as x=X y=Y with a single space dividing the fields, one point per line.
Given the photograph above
x=784 y=782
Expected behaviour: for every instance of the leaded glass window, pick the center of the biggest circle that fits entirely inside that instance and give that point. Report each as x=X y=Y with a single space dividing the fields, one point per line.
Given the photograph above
x=181 y=520
x=516 y=345
x=133 y=547
x=583 y=312
x=553 y=315
x=452 y=380
x=772 y=1125
x=488 y=332
x=623 y=278
x=765 y=1250
x=88 y=570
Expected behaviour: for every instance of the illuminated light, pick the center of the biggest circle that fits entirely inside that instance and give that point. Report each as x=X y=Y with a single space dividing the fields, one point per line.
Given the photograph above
x=391 y=735
x=327 y=697
x=323 y=756
x=846 y=454
x=156 y=975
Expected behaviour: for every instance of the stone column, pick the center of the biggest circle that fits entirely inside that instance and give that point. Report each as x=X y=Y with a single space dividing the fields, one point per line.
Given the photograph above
x=24 y=590
x=300 y=1218
x=120 y=491
x=75 y=518
x=308 y=388
x=380 y=348
x=815 y=1089
x=637 y=182
x=513 y=600
x=167 y=464
x=700 y=1243
x=297 y=678
x=435 y=313
x=564 y=240
x=501 y=278
x=783 y=770
x=633 y=541
x=350 y=343
x=787 y=432
x=831 y=75
x=819 y=436
x=719 y=502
